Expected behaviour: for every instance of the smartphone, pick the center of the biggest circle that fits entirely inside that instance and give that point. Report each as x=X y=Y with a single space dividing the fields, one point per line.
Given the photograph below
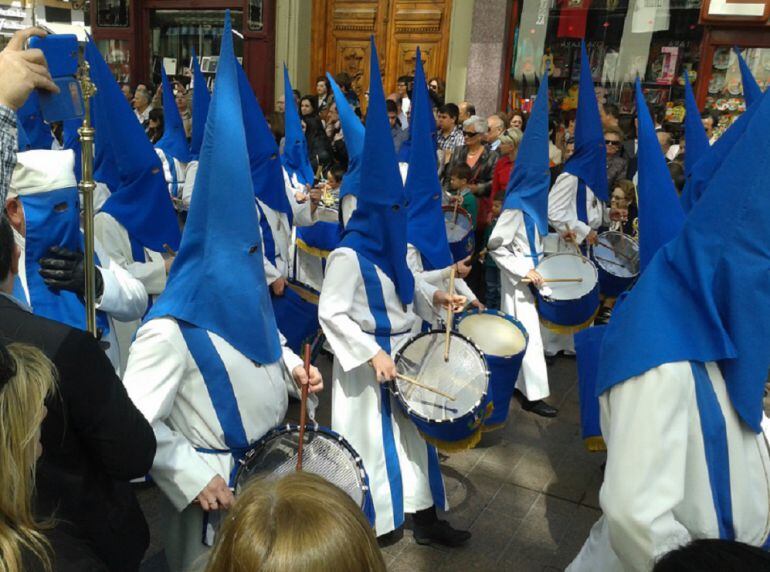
x=61 y=53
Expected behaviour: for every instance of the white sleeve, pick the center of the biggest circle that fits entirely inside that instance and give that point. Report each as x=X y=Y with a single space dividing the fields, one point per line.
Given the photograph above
x=503 y=249
x=645 y=476
x=124 y=298
x=156 y=368
x=424 y=281
x=116 y=244
x=351 y=345
x=463 y=289
x=189 y=183
x=302 y=215
x=562 y=207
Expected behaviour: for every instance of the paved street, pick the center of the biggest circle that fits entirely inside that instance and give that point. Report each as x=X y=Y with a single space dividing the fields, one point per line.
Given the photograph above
x=528 y=492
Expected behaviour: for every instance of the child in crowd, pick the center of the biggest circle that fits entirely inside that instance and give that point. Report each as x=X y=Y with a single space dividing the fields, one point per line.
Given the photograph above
x=458 y=183
x=491 y=271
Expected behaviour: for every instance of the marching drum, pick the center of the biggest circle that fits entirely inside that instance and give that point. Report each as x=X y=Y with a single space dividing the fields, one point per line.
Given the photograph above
x=570 y=306
x=617 y=259
x=324 y=453
x=296 y=314
x=459 y=232
x=503 y=340
x=450 y=420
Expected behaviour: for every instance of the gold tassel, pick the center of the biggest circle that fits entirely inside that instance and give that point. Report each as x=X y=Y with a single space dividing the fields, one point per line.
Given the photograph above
x=455 y=446
x=306 y=295
x=595 y=444
x=559 y=329
x=312 y=250
x=494 y=427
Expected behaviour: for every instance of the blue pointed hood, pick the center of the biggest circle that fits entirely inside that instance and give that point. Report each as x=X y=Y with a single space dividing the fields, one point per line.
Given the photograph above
x=589 y=161
x=378 y=228
x=139 y=199
x=201 y=100
x=217 y=281
x=295 y=158
x=660 y=213
x=751 y=91
x=353 y=132
x=174 y=140
x=426 y=229
x=705 y=168
x=37 y=131
x=266 y=169
x=697 y=142
x=704 y=297
x=530 y=179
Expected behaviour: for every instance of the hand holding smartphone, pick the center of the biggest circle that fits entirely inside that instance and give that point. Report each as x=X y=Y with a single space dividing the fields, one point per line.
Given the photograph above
x=61 y=54
x=22 y=70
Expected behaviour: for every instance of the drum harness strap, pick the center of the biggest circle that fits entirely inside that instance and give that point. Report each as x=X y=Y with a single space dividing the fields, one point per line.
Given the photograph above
x=174 y=178
x=582 y=207
x=267 y=235
x=529 y=226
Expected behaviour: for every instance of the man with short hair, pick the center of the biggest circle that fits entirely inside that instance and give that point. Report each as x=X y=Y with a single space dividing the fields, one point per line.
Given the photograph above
x=467 y=109
x=142 y=105
x=709 y=122
x=665 y=140
x=403 y=88
x=126 y=89
x=496 y=127
x=449 y=133
x=617 y=165
x=396 y=131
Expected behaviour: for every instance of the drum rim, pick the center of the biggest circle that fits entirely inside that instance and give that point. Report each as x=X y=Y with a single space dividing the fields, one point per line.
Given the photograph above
x=598 y=264
x=586 y=259
x=405 y=405
x=460 y=211
x=301 y=284
x=501 y=314
x=315 y=428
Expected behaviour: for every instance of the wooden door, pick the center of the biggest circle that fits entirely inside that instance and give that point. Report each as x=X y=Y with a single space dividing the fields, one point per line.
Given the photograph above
x=341 y=31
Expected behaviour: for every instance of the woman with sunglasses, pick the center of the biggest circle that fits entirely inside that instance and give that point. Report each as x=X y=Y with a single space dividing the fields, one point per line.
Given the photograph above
x=617 y=164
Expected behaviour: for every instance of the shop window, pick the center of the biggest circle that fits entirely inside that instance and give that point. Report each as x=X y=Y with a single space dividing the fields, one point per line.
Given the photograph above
x=112 y=13
x=118 y=56
x=655 y=39
x=725 y=90
x=256 y=11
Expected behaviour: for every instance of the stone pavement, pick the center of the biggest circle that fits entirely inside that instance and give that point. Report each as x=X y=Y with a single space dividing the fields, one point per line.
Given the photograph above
x=528 y=493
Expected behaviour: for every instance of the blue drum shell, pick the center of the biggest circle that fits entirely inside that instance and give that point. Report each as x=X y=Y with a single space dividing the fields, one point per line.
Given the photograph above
x=503 y=372
x=296 y=317
x=610 y=285
x=443 y=434
x=569 y=313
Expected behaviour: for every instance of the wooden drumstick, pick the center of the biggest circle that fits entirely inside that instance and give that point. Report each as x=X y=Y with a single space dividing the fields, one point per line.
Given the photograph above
x=552 y=280
x=457 y=205
x=303 y=408
x=426 y=387
x=450 y=312
x=612 y=248
x=574 y=243
x=168 y=250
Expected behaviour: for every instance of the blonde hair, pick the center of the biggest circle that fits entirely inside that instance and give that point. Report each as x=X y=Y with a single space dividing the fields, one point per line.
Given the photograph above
x=300 y=522
x=30 y=379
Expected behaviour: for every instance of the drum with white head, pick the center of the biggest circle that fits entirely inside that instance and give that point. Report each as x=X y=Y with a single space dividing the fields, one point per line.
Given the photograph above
x=570 y=299
x=616 y=256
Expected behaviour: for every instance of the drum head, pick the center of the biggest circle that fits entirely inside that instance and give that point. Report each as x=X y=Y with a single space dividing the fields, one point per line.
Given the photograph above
x=495 y=333
x=618 y=254
x=458 y=229
x=463 y=377
x=566 y=265
x=324 y=454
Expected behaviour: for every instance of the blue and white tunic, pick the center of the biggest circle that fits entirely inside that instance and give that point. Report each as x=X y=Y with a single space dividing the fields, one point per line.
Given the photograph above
x=361 y=313
x=681 y=465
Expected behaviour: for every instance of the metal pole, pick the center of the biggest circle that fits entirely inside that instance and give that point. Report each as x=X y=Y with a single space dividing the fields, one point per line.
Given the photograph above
x=87 y=187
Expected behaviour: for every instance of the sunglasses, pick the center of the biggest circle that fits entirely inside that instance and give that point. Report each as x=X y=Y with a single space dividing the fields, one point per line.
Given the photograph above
x=613 y=143
x=470 y=134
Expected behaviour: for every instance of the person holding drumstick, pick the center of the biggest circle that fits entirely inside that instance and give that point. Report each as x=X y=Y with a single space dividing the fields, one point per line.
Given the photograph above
x=516 y=246
x=367 y=309
x=208 y=369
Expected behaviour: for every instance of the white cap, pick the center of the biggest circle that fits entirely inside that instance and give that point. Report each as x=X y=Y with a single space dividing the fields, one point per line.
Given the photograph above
x=41 y=171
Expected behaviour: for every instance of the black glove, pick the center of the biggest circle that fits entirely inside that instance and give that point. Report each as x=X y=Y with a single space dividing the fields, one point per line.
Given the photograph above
x=65 y=269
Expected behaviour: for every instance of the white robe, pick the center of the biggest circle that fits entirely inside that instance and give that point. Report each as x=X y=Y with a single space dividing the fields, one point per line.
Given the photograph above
x=152 y=274
x=656 y=494
x=429 y=281
x=510 y=249
x=123 y=299
x=165 y=384
x=346 y=318
x=562 y=207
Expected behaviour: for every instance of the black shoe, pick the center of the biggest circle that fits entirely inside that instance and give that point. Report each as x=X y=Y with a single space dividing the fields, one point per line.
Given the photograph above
x=390 y=538
x=539 y=407
x=550 y=360
x=440 y=532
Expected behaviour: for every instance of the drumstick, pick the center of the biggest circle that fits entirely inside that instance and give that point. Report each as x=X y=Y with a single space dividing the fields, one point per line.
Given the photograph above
x=450 y=312
x=457 y=205
x=552 y=280
x=608 y=261
x=574 y=243
x=303 y=408
x=168 y=249
x=423 y=386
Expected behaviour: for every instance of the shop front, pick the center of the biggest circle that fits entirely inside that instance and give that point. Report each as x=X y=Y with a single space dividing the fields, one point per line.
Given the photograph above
x=137 y=37
x=656 y=40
